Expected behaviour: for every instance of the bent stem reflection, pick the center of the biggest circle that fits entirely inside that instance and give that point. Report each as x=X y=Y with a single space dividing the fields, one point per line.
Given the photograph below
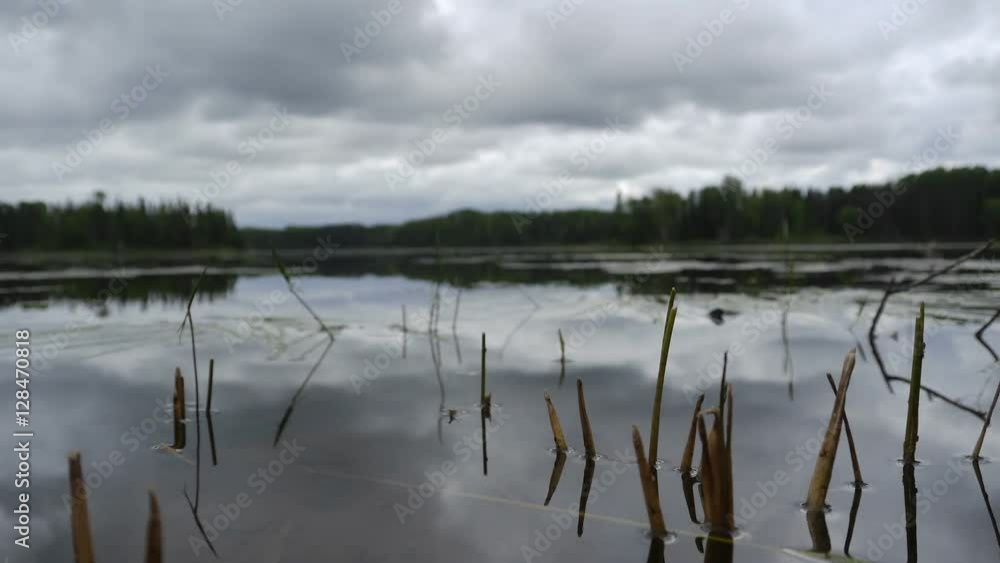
x=557 y=470
x=855 y=506
x=986 y=498
x=298 y=394
x=588 y=479
x=818 y=531
x=910 y=507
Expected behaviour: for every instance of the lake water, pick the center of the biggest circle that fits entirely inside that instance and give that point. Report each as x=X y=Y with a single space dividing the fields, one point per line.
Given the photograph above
x=382 y=457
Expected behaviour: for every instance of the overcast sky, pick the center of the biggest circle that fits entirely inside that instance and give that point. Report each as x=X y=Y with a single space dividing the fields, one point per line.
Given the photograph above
x=323 y=111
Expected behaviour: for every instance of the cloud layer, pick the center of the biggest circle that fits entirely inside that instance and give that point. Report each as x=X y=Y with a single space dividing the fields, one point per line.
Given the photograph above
x=310 y=111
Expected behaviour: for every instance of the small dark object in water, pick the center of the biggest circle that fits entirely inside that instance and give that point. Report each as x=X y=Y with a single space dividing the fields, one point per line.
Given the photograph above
x=452 y=413
x=716 y=315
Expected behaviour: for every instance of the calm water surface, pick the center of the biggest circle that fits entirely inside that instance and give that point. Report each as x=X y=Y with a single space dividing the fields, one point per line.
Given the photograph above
x=382 y=458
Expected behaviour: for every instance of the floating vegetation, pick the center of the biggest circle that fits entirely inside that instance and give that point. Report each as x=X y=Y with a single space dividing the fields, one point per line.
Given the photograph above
x=893 y=289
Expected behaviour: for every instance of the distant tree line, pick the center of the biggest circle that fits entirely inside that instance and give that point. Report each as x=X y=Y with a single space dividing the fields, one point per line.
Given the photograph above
x=98 y=225
x=960 y=204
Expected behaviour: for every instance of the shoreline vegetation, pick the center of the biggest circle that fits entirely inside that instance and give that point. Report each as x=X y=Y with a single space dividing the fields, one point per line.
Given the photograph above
x=941 y=205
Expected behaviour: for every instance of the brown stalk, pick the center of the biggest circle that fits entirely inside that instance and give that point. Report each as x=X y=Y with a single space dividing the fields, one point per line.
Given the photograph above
x=692 y=436
x=858 y=481
x=557 y=431
x=823 y=471
x=179 y=391
x=154 y=532
x=706 y=473
x=83 y=545
x=588 y=434
x=649 y=491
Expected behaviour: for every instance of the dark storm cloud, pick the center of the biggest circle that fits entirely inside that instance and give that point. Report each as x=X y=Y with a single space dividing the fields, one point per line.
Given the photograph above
x=696 y=88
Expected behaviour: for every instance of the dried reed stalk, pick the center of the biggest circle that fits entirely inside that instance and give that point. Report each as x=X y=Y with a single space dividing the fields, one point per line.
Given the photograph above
x=83 y=545
x=154 y=532
x=557 y=431
x=850 y=439
x=823 y=471
x=692 y=436
x=986 y=424
x=588 y=434
x=649 y=491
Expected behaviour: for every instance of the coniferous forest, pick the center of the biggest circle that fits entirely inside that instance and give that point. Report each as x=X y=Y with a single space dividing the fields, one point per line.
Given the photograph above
x=961 y=204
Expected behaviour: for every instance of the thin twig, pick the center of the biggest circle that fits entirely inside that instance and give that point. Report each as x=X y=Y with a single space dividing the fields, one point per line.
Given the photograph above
x=893 y=289
x=858 y=481
x=588 y=434
x=986 y=424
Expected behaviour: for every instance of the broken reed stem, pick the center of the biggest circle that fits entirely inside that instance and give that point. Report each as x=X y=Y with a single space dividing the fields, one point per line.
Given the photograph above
x=83 y=545
x=717 y=453
x=692 y=436
x=180 y=431
x=649 y=491
x=154 y=532
x=482 y=381
x=404 y=319
x=706 y=474
x=179 y=393
x=557 y=431
x=986 y=424
x=588 y=435
x=668 y=330
x=562 y=348
x=913 y=409
x=454 y=319
x=823 y=471
x=850 y=438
